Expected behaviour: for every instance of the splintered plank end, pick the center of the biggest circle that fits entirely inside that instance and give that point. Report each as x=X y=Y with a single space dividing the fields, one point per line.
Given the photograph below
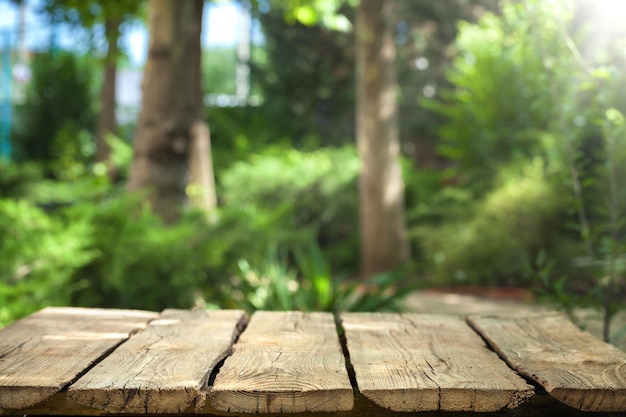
x=285 y=362
x=573 y=366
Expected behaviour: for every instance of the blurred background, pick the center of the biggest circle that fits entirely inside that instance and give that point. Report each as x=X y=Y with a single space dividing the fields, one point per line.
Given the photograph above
x=511 y=144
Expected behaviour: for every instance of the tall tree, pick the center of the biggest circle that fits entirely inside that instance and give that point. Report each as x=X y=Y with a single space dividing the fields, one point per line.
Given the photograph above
x=110 y=15
x=171 y=105
x=384 y=243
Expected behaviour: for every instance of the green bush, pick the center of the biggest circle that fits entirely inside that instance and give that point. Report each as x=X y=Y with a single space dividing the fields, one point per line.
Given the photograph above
x=94 y=246
x=59 y=103
x=17 y=180
x=135 y=261
x=499 y=235
x=141 y=262
x=81 y=242
x=39 y=255
x=527 y=86
x=290 y=197
x=500 y=94
x=307 y=283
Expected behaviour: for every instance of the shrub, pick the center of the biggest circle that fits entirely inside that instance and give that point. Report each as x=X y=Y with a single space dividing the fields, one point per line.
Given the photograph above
x=141 y=262
x=500 y=96
x=500 y=234
x=291 y=197
x=39 y=255
x=59 y=102
x=304 y=281
x=113 y=252
x=16 y=180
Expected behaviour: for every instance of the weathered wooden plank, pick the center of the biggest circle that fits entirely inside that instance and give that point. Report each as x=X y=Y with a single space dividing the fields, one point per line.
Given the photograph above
x=42 y=353
x=537 y=406
x=286 y=362
x=573 y=366
x=165 y=368
x=420 y=362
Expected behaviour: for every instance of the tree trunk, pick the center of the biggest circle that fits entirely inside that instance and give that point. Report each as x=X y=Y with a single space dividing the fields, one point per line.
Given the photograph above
x=201 y=188
x=171 y=105
x=201 y=176
x=107 y=122
x=384 y=244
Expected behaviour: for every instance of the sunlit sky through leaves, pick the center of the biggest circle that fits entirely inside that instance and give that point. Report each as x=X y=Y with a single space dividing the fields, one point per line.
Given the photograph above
x=611 y=11
x=219 y=29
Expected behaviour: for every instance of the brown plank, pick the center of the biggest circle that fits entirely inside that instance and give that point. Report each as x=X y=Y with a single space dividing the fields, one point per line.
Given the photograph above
x=285 y=362
x=42 y=353
x=573 y=366
x=421 y=362
x=165 y=368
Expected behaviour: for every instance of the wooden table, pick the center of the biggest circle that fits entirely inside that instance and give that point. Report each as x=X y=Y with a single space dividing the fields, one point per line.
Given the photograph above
x=73 y=361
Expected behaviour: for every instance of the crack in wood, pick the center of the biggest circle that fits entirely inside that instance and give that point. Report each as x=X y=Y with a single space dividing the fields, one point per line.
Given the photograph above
x=346 y=352
x=15 y=349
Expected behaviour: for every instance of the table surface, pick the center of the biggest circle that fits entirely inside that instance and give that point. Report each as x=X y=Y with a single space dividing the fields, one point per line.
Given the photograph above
x=77 y=361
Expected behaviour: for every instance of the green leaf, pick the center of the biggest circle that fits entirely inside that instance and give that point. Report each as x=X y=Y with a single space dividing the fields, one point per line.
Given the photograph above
x=614 y=116
x=601 y=73
x=306 y=15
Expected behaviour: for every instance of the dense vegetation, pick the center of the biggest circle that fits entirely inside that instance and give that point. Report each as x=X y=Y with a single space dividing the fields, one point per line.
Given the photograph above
x=514 y=153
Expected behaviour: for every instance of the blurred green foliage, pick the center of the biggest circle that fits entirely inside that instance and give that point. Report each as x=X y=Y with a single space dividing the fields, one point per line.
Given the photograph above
x=500 y=204
x=218 y=67
x=55 y=124
x=527 y=110
x=497 y=101
x=425 y=44
x=141 y=262
x=292 y=197
x=535 y=132
x=492 y=241
x=306 y=78
x=84 y=242
x=39 y=254
x=17 y=180
x=308 y=284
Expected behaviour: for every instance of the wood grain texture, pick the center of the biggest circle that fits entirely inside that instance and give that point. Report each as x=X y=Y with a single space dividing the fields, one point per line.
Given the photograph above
x=165 y=368
x=420 y=362
x=573 y=366
x=285 y=362
x=44 y=352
